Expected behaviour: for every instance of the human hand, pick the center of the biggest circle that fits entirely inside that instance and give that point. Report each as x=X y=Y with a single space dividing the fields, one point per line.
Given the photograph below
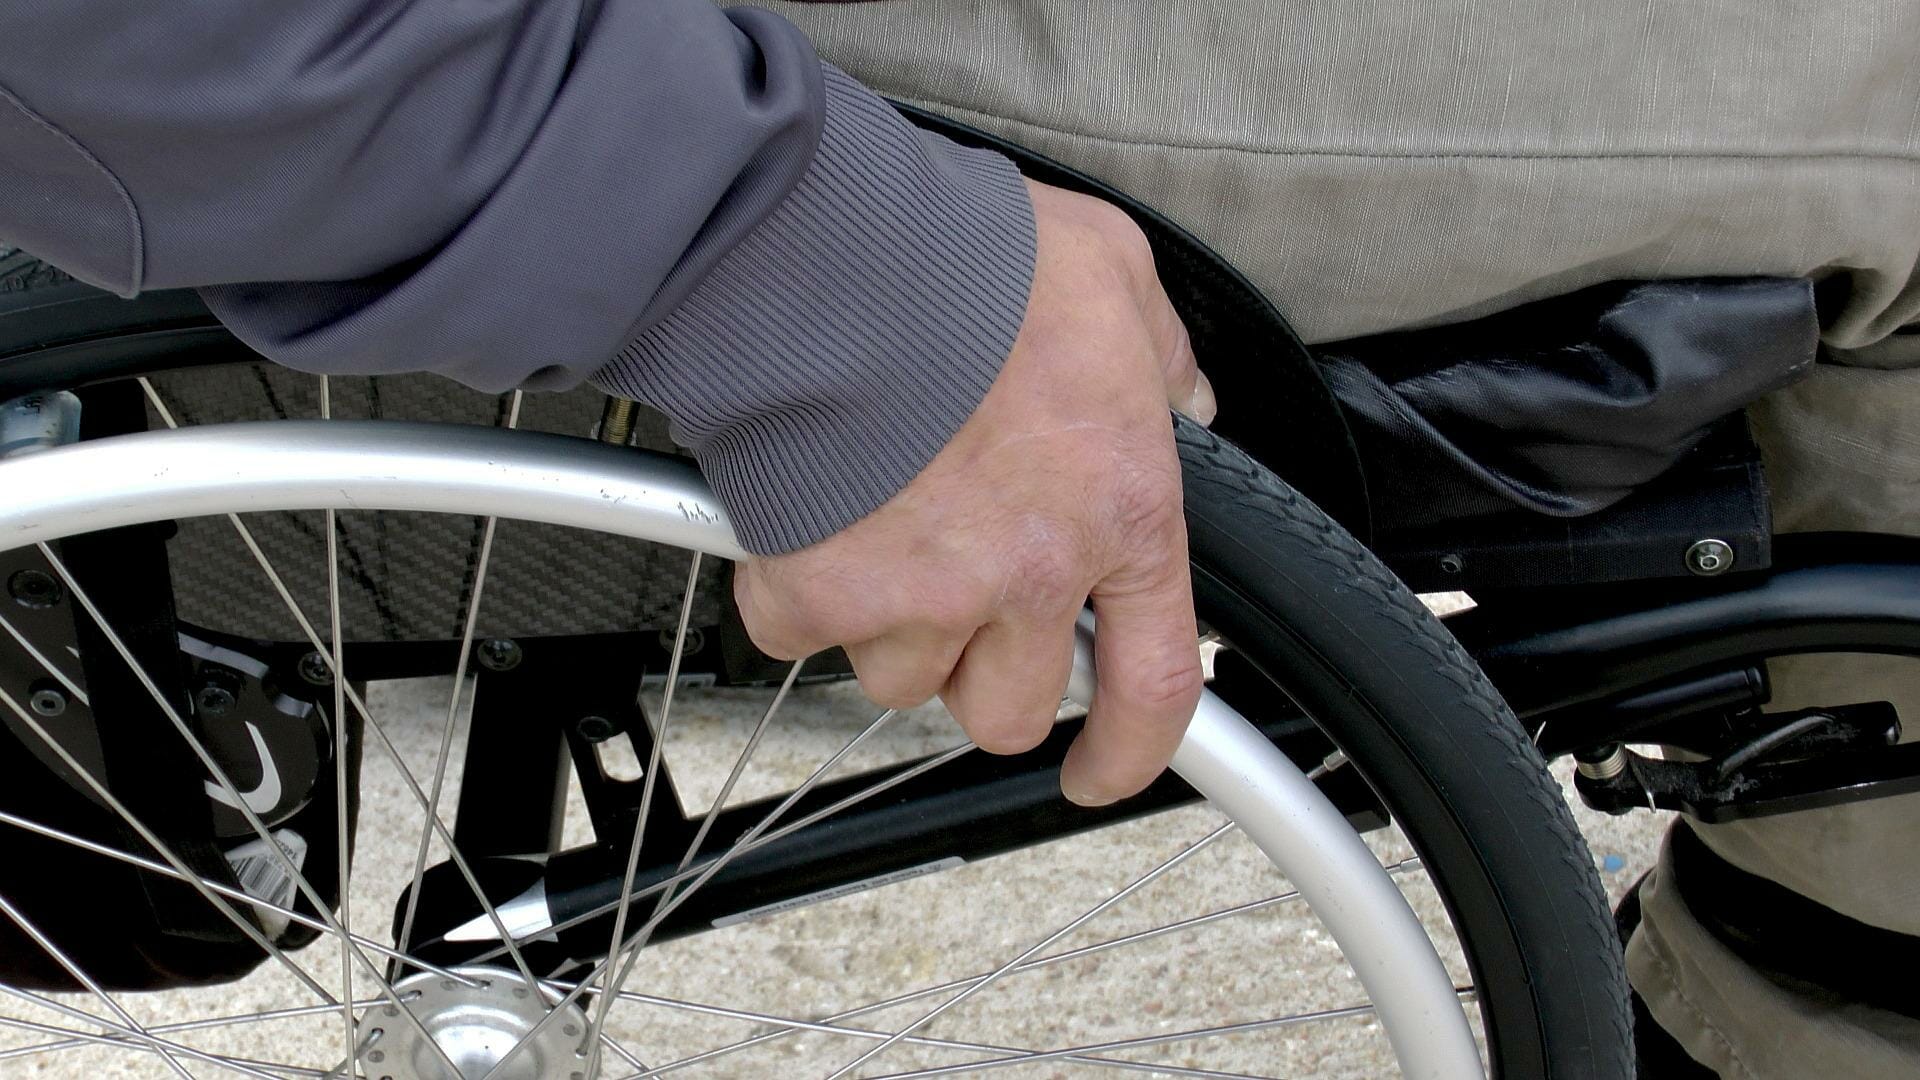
x=1063 y=486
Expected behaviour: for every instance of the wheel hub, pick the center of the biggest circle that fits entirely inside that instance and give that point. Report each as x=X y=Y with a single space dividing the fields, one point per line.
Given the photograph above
x=474 y=1026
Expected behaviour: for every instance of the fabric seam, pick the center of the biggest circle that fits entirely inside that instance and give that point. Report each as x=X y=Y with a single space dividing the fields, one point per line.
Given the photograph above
x=138 y=255
x=1421 y=155
x=1699 y=1014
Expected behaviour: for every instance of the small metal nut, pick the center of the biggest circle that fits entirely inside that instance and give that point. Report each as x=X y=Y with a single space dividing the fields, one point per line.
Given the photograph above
x=498 y=654
x=34 y=589
x=595 y=728
x=1452 y=564
x=1707 y=558
x=48 y=701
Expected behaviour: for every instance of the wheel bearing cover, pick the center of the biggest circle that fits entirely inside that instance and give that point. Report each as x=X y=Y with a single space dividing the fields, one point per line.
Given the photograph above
x=475 y=1026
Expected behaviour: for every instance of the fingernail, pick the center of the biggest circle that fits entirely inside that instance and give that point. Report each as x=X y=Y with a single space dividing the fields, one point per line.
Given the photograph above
x=1203 y=407
x=1083 y=799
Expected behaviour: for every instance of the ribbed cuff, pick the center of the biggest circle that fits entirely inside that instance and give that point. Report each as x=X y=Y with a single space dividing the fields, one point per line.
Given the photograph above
x=822 y=363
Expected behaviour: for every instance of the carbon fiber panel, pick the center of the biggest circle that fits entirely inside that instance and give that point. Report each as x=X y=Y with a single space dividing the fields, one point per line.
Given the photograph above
x=407 y=577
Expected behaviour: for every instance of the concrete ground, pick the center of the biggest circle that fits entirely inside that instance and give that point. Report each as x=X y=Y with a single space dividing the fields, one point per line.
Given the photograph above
x=821 y=959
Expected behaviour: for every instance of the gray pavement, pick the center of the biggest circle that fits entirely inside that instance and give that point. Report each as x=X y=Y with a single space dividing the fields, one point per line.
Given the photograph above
x=832 y=956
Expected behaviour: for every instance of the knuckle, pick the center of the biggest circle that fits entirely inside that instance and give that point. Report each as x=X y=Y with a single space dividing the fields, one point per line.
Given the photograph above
x=952 y=611
x=1171 y=683
x=1051 y=579
x=1143 y=505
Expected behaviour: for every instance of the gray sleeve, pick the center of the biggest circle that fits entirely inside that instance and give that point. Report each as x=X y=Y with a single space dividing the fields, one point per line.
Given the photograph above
x=679 y=202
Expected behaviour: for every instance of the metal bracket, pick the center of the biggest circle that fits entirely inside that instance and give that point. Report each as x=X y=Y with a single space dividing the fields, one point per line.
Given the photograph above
x=1763 y=764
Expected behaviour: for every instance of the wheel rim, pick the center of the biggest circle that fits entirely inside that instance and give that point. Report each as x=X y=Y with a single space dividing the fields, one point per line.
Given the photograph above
x=343 y=465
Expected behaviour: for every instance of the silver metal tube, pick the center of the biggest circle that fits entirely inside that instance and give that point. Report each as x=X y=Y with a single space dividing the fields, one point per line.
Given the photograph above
x=362 y=465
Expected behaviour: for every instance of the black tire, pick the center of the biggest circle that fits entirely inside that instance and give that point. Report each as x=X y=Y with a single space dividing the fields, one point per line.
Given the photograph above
x=1297 y=597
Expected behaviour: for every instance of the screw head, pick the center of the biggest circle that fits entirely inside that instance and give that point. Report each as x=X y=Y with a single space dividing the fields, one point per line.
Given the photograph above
x=34 y=589
x=48 y=701
x=696 y=640
x=1707 y=558
x=498 y=654
x=314 y=670
x=213 y=700
x=595 y=728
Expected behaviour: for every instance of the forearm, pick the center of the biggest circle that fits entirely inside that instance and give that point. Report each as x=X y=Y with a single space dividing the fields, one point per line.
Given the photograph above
x=355 y=193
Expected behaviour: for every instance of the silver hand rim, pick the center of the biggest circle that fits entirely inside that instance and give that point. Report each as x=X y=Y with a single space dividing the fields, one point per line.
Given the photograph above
x=334 y=465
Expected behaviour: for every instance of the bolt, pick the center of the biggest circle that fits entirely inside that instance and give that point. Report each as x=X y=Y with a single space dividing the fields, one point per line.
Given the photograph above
x=595 y=728
x=1602 y=763
x=48 y=701
x=1709 y=557
x=219 y=690
x=213 y=700
x=1452 y=564
x=616 y=421
x=34 y=589
x=498 y=654
x=696 y=640
x=314 y=670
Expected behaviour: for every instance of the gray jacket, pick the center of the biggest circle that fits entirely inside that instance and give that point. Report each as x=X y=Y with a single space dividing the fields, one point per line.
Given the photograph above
x=680 y=203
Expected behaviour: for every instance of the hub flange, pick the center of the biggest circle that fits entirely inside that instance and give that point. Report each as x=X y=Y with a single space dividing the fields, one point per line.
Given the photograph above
x=475 y=1026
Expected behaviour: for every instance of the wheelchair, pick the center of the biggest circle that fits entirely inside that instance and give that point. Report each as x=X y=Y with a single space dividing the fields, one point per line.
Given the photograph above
x=213 y=565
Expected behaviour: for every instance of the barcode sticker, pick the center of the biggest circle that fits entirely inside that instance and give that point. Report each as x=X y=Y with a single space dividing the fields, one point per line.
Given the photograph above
x=265 y=878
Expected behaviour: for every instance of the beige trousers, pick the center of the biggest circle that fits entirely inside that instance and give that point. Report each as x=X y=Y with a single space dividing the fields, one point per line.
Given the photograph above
x=1380 y=164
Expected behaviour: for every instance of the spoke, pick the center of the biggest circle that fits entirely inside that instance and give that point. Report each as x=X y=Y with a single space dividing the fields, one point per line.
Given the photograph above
x=78 y=1038
x=707 y=871
x=646 y=805
x=239 y=804
x=661 y=906
x=341 y=825
x=212 y=886
x=1140 y=1042
x=759 y=842
x=739 y=769
x=80 y=976
x=128 y=1038
x=932 y=1014
x=373 y=726
x=746 y=842
x=246 y=925
x=825 y=1028
x=1404 y=866
x=706 y=821
x=446 y=742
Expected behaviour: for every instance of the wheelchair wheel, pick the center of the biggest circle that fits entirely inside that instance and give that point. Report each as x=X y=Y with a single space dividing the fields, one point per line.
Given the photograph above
x=849 y=870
